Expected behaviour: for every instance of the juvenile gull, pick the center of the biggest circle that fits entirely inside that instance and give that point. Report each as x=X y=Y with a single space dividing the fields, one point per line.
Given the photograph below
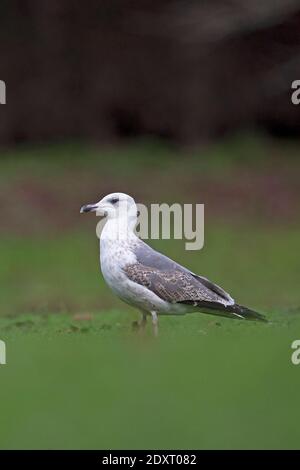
x=148 y=280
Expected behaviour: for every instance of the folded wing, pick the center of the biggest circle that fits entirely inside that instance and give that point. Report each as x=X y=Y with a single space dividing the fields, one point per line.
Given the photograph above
x=175 y=284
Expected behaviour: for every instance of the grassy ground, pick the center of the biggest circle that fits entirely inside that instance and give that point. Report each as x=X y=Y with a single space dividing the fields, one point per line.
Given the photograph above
x=77 y=376
x=94 y=384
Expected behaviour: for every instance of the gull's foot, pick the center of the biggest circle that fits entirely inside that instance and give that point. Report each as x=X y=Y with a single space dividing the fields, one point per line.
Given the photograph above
x=155 y=323
x=140 y=325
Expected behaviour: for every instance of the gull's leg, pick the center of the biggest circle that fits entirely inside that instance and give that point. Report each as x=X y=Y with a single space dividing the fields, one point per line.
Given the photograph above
x=143 y=321
x=140 y=325
x=154 y=322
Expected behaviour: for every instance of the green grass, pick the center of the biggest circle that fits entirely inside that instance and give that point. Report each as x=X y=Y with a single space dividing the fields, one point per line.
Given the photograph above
x=96 y=384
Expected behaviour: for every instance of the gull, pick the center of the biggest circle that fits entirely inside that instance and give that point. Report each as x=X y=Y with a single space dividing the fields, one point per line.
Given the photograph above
x=149 y=280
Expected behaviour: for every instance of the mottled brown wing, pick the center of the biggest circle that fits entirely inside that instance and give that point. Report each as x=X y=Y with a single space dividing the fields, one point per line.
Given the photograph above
x=161 y=265
x=171 y=286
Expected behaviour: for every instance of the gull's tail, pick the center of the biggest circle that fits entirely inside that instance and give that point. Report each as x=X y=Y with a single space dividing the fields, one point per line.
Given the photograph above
x=246 y=313
x=234 y=311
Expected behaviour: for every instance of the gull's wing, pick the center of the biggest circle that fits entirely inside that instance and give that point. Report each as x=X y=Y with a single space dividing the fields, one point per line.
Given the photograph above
x=171 y=281
x=171 y=286
x=175 y=284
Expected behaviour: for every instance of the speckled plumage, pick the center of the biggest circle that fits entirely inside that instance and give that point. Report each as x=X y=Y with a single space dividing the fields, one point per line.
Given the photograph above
x=171 y=286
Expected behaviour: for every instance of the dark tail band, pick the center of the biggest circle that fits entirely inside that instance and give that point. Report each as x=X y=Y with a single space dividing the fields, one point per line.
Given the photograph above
x=235 y=311
x=248 y=314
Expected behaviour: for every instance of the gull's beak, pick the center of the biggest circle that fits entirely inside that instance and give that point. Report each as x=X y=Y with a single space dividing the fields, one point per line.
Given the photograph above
x=89 y=208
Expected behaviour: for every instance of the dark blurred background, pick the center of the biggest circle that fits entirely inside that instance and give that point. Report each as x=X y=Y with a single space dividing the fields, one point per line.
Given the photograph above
x=186 y=71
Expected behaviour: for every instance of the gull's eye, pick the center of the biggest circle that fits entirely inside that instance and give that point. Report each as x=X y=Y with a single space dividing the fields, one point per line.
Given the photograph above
x=114 y=200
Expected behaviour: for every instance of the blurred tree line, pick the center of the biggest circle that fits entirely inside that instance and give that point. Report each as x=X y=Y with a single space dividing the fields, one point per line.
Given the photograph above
x=183 y=70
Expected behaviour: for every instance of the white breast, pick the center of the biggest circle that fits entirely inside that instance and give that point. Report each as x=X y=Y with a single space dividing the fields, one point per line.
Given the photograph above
x=114 y=256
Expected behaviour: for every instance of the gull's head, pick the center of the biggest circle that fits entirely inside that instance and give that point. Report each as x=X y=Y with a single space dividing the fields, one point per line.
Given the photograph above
x=114 y=205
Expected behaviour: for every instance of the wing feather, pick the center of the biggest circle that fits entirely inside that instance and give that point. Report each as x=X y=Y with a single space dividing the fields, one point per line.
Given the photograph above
x=171 y=281
x=175 y=284
x=172 y=286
